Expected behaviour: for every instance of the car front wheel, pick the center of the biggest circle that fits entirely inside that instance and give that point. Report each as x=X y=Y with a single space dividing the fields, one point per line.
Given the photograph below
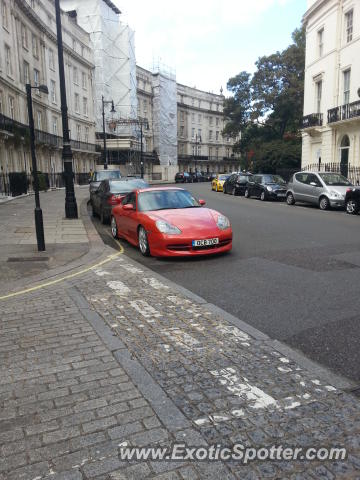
x=324 y=203
x=352 y=207
x=143 y=242
x=247 y=194
x=290 y=200
x=263 y=196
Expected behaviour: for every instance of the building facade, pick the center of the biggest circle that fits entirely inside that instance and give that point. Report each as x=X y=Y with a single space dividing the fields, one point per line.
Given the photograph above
x=28 y=46
x=331 y=122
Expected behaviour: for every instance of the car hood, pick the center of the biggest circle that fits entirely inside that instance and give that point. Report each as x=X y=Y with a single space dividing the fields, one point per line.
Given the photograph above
x=333 y=188
x=189 y=220
x=277 y=186
x=94 y=185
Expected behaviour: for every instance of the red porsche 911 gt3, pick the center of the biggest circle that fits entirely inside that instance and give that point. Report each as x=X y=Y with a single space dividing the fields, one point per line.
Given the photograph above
x=168 y=221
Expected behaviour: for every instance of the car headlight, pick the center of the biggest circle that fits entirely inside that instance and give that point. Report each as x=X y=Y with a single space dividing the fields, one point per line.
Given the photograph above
x=165 y=227
x=336 y=194
x=223 y=222
x=269 y=189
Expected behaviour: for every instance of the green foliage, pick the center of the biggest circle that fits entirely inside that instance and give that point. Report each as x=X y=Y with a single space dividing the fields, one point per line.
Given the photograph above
x=267 y=109
x=43 y=182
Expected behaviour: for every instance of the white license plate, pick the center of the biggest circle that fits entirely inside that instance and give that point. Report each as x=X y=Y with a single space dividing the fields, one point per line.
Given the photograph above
x=281 y=194
x=205 y=243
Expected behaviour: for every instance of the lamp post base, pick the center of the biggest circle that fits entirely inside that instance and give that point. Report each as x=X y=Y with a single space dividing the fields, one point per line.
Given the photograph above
x=39 y=226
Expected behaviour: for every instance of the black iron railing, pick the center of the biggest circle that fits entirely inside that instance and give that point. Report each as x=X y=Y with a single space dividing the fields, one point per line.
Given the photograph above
x=344 y=112
x=41 y=138
x=312 y=120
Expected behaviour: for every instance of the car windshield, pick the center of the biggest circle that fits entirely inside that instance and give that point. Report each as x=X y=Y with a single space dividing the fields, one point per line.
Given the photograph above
x=223 y=177
x=269 y=179
x=335 y=180
x=107 y=175
x=126 y=186
x=166 y=200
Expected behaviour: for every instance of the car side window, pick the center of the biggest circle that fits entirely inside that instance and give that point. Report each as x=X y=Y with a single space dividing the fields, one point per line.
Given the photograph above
x=301 y=177
x=311 y=178
x=131 y=198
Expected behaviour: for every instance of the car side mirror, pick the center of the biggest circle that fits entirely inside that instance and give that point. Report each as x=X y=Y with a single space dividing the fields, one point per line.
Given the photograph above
x=128 y=206
x=202 y=202
x=314 y=184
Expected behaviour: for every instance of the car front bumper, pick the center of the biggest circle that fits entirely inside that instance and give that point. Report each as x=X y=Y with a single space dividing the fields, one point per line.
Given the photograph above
x=181 y=245
x=337 y=202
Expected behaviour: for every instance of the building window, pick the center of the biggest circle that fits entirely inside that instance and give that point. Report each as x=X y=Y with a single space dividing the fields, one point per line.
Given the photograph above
x=210 y=134
x=85 y=106
x=26 y=73
x=1 y=102
x=217 y=136
x=9 y=70
x=51 y=60
x=53 y=91
x=347 y=86
x=181 y=98
x=318 y=86
x=39 y=120
x=349 y=16
x=55 y=125
x=87 y=134
x=199 y=118
x=24 y=36
x=5 y=19
x=75 y=76
x=192 y=102
x=77 y=103
x=84 y=80
x=193 y=117
x=182 y=130
x=12 y=108
x=193 y=132
x=36 y=78
x=217 y=121
x=35 y=46
x=210 y=120
x=74 y=44
x=182 y=116
x=199 y=103
x=78 y=132
x=199 y=135
x=217 y=153
x=217 y=107
x=82 y=50
x=321 y=42
x=210 y=152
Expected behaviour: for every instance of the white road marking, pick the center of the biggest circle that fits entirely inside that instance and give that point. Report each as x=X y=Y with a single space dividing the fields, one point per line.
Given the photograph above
x=146 y=310
x=154 y=283
x=119 y=287
x=235 y=332
x=181 y=338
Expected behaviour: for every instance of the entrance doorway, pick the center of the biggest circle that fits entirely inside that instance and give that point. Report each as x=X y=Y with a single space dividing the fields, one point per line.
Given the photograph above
x=344 y=155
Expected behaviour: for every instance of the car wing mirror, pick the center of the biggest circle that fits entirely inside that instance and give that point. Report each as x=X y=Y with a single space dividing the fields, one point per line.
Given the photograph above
x=202 y=202
x=314 y=184
x=128 y=206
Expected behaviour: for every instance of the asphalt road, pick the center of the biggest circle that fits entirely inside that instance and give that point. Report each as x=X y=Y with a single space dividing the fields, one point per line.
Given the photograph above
x=293 y=273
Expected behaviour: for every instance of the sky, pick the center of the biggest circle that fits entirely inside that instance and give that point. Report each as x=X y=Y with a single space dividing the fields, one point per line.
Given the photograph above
x=207 y=42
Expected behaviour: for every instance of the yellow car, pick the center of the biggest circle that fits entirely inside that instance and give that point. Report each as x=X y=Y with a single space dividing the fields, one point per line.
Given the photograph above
x=218 y=182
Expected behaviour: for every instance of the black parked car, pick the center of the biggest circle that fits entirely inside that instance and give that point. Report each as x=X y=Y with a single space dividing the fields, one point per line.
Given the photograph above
x=352 y=200
x=110 y=193
x=236 y=184
x=197 y=177
x=182 y=177
x=101 y=175
x=266 y=187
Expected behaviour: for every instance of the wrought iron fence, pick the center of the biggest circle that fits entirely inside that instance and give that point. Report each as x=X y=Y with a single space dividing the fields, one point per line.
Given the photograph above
x=18 y=183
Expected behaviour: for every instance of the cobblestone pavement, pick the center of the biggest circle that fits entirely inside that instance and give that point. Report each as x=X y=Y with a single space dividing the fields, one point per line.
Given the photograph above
x=117 y=357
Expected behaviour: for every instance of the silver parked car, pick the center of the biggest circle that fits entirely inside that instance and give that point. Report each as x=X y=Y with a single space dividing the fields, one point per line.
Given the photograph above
x=325 y=189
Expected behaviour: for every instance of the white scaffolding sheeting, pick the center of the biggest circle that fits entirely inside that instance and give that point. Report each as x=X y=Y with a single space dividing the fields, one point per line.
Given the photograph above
x=165 y=118
x=113 y=44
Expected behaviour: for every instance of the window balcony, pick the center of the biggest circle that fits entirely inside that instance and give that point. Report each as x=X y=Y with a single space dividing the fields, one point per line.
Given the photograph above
x=344 y=112
x=312 y=120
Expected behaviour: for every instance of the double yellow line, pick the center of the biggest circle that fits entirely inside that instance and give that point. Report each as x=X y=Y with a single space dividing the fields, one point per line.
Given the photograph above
x=66 y=277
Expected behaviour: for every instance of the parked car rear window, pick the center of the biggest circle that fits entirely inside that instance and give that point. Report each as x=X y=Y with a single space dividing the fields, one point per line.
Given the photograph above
x=107 y=175
x=126 y=186
x=273 y=179
x=334 y=179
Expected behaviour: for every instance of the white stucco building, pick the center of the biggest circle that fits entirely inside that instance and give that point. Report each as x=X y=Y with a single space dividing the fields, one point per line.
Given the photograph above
x=28 y=54
x=331 y=123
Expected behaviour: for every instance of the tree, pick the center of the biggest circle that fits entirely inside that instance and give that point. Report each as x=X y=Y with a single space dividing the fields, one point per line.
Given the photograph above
x=267 y=108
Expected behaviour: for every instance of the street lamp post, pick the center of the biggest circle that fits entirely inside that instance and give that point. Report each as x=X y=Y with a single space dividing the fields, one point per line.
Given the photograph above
x=71 y=210
x=104 y=102
x=39 y=225
x=197 y=142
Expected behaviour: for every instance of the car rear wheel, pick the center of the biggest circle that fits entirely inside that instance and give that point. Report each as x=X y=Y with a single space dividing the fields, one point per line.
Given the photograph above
x=263 y=196
x=143 y=242
x=114 y=229
x=290 y=200
x=352 y=207
x=247 y=194
x=324 y=203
